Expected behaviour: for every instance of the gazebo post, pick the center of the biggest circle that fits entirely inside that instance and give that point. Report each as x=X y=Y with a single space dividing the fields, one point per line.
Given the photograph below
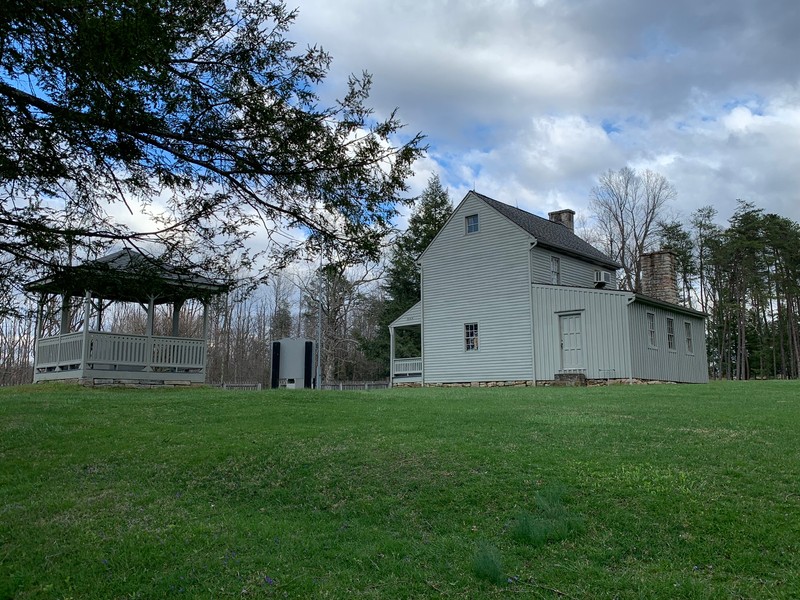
x=176 y=317
x=391 y=356
x=149 y=333
x=87 y=311
x=37 y=335
x=99 y=326
x=205 y=337
x=63 y=326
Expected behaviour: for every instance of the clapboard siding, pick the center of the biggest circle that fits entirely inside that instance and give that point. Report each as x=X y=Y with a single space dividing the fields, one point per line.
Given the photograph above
x=604 y=324
x=499 y=278
x=413 y=316
x=479 y=278
x=661 y=363
x=573 y=271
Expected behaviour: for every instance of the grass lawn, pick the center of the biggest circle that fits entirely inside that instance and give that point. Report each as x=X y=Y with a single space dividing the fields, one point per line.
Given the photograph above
x=626 y=491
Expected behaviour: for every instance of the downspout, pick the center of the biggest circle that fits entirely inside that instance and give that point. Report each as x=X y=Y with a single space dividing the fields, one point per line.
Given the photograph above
x=530 y=306
x=631 y=300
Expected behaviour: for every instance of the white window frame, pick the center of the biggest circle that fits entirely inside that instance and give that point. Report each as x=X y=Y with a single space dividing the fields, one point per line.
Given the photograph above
x=555 y=270
x=471 y=340
x=651 y=330
x=472 y=224
x=671 y=334
x=689 y=335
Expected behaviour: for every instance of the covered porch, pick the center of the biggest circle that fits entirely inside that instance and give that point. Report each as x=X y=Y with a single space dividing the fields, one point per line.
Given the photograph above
x=78 y=349
x=405 y=348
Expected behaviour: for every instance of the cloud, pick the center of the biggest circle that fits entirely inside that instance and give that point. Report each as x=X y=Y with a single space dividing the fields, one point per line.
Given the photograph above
x=531 y=101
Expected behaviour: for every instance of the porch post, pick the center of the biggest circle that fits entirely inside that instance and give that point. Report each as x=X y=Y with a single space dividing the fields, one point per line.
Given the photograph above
x=149 y=333
x=87 y=309
x=391 y=356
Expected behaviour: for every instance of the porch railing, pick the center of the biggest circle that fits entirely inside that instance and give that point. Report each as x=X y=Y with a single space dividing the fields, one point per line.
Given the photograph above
x=407 y=366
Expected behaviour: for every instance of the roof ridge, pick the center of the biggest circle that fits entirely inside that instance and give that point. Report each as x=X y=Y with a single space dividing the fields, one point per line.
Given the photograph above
x=549 y=233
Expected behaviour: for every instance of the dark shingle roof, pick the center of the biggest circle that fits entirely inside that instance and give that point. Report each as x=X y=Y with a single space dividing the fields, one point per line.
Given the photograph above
x=128 y=275
x=550 y=234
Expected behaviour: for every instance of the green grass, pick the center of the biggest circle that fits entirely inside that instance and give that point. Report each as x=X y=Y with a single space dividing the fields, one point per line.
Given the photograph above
x=624 y=491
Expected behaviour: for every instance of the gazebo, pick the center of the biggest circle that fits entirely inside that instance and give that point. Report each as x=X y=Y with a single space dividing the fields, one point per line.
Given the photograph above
x=92 y=356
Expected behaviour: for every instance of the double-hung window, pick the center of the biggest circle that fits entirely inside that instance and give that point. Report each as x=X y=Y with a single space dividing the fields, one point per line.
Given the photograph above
x=687 y=327
x=470 y=337
x=555 y=270
x=670 y=333
x=471 y=224
x=651 y=330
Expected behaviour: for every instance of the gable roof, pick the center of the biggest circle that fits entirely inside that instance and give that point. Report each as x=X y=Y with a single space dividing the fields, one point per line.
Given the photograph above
x=550 y=234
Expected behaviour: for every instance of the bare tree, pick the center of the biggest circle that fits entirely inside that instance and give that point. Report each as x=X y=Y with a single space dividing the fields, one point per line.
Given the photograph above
x=627 y=204
x=347 y=293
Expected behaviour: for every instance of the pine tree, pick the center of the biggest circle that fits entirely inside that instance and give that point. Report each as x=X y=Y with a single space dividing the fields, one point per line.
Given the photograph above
x=674 y=236
x=402 y=287
x=207 y=116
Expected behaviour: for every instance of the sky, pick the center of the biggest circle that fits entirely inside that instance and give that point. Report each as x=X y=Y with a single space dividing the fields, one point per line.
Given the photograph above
x=529 y=102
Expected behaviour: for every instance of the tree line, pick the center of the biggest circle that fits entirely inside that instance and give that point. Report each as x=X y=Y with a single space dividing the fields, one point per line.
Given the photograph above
x=206 y=121
x=744 y=275
x=347 y=304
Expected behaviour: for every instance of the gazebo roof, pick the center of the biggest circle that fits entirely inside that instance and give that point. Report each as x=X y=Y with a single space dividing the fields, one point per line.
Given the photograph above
x=128 y=276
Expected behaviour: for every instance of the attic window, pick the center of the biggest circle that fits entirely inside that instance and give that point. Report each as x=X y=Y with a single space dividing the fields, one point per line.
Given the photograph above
x=471 y=222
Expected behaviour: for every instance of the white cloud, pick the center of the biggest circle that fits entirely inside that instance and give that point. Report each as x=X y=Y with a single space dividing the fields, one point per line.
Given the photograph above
x=530 y=102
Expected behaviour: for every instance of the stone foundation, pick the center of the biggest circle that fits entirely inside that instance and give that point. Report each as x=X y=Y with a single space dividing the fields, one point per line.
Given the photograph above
x=135 y=383
x=570 y=380
x=584 y=382
x=483 y=384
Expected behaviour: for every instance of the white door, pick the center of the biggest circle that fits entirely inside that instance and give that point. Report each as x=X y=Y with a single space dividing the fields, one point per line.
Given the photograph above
x=571 y=342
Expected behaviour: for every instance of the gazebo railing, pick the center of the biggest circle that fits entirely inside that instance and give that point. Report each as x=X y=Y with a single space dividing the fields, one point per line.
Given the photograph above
x=60 y=351
x=120 y=352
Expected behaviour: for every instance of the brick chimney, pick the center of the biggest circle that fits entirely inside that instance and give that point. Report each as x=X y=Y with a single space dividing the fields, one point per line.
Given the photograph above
x=566 y=217
x=659 y=276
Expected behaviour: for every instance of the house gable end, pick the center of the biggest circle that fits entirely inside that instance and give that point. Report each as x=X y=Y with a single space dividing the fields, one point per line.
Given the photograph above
x=459 y=214
x=550 y=234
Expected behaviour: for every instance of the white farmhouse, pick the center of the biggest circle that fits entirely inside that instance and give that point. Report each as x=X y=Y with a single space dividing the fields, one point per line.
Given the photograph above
x=510 y=297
